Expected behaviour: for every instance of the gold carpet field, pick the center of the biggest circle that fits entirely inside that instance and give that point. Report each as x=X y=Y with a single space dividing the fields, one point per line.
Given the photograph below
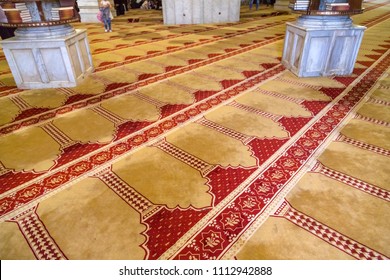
x=194 y=142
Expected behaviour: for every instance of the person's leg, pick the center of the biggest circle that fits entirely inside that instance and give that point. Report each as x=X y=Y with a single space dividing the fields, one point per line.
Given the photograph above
x=109 y=24
x=250 y=4
x=257 y=4
x=105 y=24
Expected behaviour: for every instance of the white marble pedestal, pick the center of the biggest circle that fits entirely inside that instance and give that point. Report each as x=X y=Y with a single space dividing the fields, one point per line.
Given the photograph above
x=321 y=46
x=48 y=58
x=200 y=11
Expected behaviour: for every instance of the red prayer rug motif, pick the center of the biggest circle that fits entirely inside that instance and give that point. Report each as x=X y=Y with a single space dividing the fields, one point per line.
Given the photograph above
x=226 y=225
x=329 y=235
x=18 y=194
x=30 y=116
x=250 y=202
x=198 y=233
x=41 y=243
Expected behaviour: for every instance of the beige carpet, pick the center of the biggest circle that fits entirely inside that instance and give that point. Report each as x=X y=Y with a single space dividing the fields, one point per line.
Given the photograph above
x=194 y=142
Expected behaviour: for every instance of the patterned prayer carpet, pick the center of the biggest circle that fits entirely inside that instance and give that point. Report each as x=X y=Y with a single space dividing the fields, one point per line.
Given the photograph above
x=194 y=142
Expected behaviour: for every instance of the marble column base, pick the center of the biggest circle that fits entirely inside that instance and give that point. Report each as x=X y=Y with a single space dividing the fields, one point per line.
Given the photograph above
x=321 y=46
x=60 y=61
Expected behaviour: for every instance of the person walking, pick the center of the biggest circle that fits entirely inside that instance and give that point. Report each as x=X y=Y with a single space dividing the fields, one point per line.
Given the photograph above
x=251 y=4
x=105 y=7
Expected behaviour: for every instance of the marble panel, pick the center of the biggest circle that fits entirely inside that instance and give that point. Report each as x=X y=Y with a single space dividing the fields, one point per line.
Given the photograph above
x=200 y=11
x=23 y=60
x=58 y=72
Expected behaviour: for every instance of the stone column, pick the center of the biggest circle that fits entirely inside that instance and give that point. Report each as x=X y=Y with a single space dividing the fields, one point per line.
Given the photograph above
x=200 y=11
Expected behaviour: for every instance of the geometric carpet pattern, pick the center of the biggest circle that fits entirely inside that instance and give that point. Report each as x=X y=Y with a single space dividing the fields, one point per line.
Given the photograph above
x=194 y=142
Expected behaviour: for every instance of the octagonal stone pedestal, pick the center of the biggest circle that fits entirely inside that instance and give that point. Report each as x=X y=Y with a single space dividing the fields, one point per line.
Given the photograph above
x=48 y=57
x=321 y=46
